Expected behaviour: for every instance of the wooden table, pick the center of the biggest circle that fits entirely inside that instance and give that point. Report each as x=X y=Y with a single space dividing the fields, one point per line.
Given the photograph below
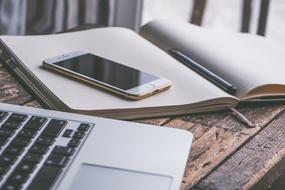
x=225 y=154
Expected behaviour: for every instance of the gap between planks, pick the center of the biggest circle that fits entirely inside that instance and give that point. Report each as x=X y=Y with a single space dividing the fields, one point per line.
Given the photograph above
x=256 y=165
x=216 y=137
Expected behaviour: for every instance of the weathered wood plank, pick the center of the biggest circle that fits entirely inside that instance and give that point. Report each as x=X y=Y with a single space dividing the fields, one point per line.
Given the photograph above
x=216 y=136
x=221 y=141
x=10 y=90
x=198 y=124
x=211 y=149
x=262 y=114
x=256 y=165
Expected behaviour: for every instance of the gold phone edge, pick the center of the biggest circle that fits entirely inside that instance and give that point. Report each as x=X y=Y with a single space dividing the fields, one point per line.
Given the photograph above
x=107 y=88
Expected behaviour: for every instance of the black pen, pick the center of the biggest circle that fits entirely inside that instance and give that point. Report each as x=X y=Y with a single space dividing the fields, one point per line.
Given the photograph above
x=203 y=71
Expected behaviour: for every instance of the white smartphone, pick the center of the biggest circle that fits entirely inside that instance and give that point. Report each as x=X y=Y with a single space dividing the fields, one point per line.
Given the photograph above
x=109 y=75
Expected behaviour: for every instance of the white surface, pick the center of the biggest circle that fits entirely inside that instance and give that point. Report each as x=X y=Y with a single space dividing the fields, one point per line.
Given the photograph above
x=91 y=177
x=221 y=15
x=126 y=145
x=247 y=61
x=118 y=44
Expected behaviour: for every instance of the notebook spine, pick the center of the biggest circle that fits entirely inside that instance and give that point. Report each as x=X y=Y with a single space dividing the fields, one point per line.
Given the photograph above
x=31 y=83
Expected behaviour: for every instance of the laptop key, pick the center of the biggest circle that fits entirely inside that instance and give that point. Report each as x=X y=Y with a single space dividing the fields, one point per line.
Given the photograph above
x=3 y=141
x=6 y=132
x=3 y=169
x=7 y=159
x=79 y=134
x=45 y=140
x=27 y=133
x=56 y=160
x=18 y=117
x=45 y=178
x=35 y=123
x=14 y=150
x=83 y=127
x=11 y=125
x=54 y=163
x=11 y=186
x=21 y=141
x=26 y=167
x=39 y=149
x=67 y=151
x=73 y=143
x=67 y=133
x=31 y=157
x=54 y=128
x=3 y=115
x=17 y=177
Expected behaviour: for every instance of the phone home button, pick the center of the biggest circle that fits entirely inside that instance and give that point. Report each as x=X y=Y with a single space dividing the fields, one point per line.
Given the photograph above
x=151 y=86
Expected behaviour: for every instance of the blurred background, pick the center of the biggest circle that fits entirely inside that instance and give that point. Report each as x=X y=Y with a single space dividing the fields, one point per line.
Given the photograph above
x=229 y=15
x=25 y=17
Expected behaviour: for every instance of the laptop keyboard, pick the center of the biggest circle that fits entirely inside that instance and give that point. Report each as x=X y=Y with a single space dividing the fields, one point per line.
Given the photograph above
x=35 y=150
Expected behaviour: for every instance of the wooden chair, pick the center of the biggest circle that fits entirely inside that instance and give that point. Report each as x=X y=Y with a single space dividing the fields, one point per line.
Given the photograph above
x=199 y=8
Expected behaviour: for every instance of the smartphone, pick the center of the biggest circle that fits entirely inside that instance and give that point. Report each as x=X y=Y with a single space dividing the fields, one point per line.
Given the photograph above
x=109 y=75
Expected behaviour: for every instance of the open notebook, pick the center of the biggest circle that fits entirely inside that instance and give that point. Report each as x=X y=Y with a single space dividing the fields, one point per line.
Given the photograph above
x=251 y=63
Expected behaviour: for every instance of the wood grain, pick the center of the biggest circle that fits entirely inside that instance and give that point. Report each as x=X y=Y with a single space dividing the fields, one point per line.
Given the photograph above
x=198 y=124
x=223 y=138
x=10 y=90
x=220 y=147
x=246 y=167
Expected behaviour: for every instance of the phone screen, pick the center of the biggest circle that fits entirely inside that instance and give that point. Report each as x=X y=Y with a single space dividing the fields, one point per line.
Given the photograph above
x=107 y=71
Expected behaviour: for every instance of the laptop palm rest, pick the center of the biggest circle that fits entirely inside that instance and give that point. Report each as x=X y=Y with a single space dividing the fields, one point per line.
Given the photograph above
x=106 y=178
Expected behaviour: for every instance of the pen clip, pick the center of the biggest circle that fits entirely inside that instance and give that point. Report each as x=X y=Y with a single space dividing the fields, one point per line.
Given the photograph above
x=241 y=118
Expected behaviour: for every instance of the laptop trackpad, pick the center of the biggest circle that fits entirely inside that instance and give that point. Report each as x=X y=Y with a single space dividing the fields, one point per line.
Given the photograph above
x=106 y=178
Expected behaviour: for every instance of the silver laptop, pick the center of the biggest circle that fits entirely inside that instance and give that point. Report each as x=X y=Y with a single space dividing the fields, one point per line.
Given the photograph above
x=43 y=149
